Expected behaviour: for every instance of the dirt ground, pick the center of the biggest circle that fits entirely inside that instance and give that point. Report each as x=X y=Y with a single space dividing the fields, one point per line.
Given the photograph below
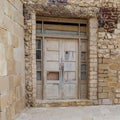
x=72 y=113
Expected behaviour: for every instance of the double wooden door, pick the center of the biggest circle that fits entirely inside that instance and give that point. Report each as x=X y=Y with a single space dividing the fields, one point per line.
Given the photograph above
x=61 y=69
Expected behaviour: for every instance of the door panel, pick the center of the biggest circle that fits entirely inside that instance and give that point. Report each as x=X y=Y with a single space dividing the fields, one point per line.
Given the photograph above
x=61 y=68
x=52 y=69
x=70 y=76
x=70 y=53
x=52 y=66
x=53 y=91
x=70 y=91
x=69 y=66
x=69 y=45
x=52 y=44
x=52 y=55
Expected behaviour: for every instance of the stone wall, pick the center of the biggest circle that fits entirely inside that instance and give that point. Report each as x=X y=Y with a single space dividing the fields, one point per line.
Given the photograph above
x=12 y=69
x=109 y=66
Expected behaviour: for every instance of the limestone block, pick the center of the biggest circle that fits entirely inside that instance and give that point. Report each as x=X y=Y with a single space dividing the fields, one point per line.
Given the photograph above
x=93 y=81
x=12 y=109
x=3 y=102
x=11 y=97
x=10 y=67
x=101 y=34
x=11 y=1
x=111 y=46
x=116 y=101
x=118 y=25
x=105 y=60
x=113 y=84
x=106 y=89
x=11 y=11
x=93 y=73
x=3 y=36
x=1 y=12
x=6 y=9
x=104 y=46
x=3 y=68
x=103 y=66
x=117 y=31
x=22 y=90
x=17 y=80
x=93 y=77
x=92 y=89
x=18 y=17
x=8 y=113
x=103 y=75
x=9 y=53
x=93 y=36
x=11 y=82
x=4 y=84
x=3 y=64
x=3 y=115
x=94 y=85
x=117 y=90
x=93 y=22
x=18 y=92
x=15 y=41
x=94 y=48
x=114 y=66
x=93 y=97
x=9 y=39
x=19 y=105
x=103 y=95
x=106 y=56
x=102 y=84
x=7 y=23
x=18 y=68
x=106 y=102
x=100 y=89
x=18 y=31
x=16 y=52
x=118 y=95
x=18 y=5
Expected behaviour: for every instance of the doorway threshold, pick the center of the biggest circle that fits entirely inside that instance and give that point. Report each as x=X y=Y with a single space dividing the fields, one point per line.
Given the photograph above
x=63 y=103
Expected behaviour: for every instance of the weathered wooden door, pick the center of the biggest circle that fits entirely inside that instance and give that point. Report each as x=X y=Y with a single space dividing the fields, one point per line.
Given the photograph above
x=61 y=68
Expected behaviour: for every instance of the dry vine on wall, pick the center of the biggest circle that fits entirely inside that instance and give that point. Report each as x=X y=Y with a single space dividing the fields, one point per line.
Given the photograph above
x=108 y=18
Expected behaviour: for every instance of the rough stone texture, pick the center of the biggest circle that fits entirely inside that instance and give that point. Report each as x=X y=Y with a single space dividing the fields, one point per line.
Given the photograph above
x=109 y=62
x=11 y=58
x=71 y=9
x=28 y=57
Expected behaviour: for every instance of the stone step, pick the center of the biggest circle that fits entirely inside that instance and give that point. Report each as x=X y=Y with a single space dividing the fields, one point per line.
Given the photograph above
x=62 y=103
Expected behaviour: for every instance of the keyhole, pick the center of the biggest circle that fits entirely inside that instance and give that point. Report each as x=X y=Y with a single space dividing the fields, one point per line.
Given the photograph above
x=66 y=52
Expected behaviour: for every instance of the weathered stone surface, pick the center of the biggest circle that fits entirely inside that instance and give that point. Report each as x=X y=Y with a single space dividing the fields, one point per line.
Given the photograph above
x=11 y=35
x=107 y=102
x=72 y=9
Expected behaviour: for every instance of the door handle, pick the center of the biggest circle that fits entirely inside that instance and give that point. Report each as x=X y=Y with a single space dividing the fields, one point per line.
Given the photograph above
x=62 y=66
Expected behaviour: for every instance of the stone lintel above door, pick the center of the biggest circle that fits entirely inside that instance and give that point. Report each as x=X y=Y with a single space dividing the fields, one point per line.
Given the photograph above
x=62 y=10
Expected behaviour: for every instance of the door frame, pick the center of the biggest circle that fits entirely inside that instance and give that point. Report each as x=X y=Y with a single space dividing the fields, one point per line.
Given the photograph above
x=31 y=81
x=43 y=36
